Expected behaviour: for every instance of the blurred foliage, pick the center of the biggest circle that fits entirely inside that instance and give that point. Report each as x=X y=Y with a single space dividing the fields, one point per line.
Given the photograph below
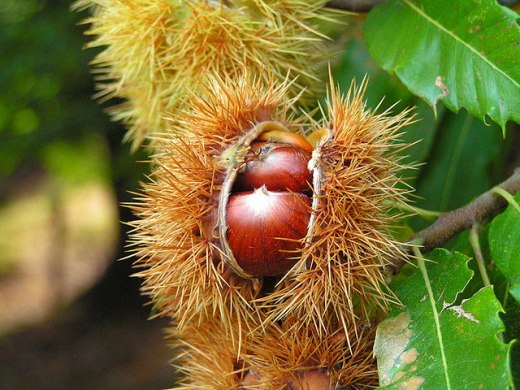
x=52 y=129
x=54 y=137
x=47 y=115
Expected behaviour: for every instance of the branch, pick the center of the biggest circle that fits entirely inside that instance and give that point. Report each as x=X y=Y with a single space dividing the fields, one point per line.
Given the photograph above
x=354 y=5
x=453 y=222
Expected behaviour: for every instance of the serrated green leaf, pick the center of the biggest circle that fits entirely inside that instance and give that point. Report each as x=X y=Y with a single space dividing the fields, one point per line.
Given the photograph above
x=435 y=342
x=465 y=53
x=504 y=243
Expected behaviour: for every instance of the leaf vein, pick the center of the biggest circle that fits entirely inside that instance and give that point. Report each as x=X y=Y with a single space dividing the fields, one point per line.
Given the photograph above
x=421 y=13
x=422 y=267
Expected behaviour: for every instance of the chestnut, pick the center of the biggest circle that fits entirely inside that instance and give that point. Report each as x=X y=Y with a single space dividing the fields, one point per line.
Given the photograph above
x=278 y=166
x=314 y=379
x=265 y=229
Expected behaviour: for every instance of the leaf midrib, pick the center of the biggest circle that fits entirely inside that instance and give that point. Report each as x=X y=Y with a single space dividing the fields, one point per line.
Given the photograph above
x=421 y=13
x=422 y=267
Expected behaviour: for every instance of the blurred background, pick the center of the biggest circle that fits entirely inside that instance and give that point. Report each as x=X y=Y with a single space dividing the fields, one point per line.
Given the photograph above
x=70 y=315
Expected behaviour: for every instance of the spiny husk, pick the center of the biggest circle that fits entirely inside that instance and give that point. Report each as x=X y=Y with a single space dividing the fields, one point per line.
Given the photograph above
x=275 y=359
x=207 y=356
x=175 y=236
x=341 y=273
x=288 y=355
x=340 y=277
x=157 y=51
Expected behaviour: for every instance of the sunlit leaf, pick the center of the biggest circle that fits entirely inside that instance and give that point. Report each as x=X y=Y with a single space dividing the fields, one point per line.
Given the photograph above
x=465 y=53
x=438 y=341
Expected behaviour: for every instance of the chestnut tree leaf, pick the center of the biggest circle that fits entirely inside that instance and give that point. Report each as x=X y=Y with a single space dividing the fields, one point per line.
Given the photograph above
x=504 y=243
x=464 y=53
x=435 y=340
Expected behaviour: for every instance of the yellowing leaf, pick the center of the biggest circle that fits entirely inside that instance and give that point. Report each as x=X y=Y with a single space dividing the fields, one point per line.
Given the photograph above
x=436 y=342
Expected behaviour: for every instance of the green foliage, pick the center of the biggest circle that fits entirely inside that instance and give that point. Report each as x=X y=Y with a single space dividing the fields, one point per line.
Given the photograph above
x=356 y=63
x=78 y=162
x=50 y=127
x=464 y=53
x=463 y=156
x=504 y=243
x=46 y=88
x=511 y=317
x=437 y=340
x=384 y=91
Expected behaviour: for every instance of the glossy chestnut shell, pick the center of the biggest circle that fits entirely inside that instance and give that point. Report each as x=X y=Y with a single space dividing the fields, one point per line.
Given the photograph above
x=265 y=229
x=278 y=166
x=263 y=216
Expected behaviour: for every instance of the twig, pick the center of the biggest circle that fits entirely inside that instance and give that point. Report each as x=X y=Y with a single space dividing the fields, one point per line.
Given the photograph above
x=423 y=213
x=453 y=222
x=475 y=243
x=354 y=5
x=507 y=196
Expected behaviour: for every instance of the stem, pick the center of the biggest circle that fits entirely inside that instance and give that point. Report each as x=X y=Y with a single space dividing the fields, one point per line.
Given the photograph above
x=354 y=5
x=423 y=213
x=475 y=244
x=451 y=223
x=506 y=295
x=507 y=196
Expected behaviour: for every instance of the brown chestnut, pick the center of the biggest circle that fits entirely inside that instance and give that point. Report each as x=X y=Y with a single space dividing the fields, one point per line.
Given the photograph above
x=265 y=229
x=278 y=166
x=314 y=379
